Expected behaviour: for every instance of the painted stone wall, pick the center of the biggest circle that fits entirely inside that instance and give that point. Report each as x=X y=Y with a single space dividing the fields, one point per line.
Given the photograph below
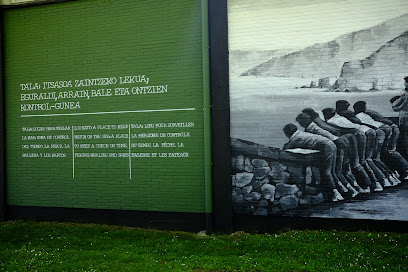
x=272 y=182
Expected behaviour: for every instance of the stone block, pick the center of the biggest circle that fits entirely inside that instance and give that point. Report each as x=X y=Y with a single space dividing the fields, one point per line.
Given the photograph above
x=317 y=199
x=236 y=190
x=243 y=179
x=261 y=172
x=263 y=203
x=289 y=202
x=246 y=190
x=275 y=173
x=274 y=164
x=277 y=181
x=305 y=200
x=285 y=177
x=258 y=163
x=240 y=162
x=233 y=162
x=237 y=198
x=252 y=197
x=256 y=185
x=312 y=190
x=248 y=165
x=259 y=183
x=283 y=189
x=268 y=192
x=264 y=181
x=234 y=180
x=283 y=167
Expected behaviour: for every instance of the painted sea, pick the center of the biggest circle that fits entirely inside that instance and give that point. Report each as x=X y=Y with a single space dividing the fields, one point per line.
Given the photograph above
x=261 y=106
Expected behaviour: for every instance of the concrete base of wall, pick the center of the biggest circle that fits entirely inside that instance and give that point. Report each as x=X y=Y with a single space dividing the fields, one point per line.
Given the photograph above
x=192 y=222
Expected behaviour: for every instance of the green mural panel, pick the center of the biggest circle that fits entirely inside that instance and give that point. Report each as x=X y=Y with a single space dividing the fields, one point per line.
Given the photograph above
x=104 y=105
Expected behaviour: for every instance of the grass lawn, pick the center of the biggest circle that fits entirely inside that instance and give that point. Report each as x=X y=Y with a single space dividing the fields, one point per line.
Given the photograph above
x=31 y=246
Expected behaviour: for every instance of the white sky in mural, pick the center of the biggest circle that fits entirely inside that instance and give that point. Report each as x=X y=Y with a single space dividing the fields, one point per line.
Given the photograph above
x=280 y=24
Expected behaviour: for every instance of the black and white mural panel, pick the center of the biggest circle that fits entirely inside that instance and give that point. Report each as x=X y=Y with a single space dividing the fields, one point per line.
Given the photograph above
x=319 y=108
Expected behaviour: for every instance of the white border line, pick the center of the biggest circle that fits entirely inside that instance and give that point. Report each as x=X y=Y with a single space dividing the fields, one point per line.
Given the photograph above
x=73 y=153
x=104 y=112
x=130 y=158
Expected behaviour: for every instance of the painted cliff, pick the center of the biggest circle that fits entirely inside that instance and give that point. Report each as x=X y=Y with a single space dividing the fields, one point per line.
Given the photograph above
x=241 y=61
x=327 y=59
x=382 y=70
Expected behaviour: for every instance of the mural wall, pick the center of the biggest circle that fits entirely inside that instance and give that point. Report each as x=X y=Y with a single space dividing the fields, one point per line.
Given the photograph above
x=319 y=106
